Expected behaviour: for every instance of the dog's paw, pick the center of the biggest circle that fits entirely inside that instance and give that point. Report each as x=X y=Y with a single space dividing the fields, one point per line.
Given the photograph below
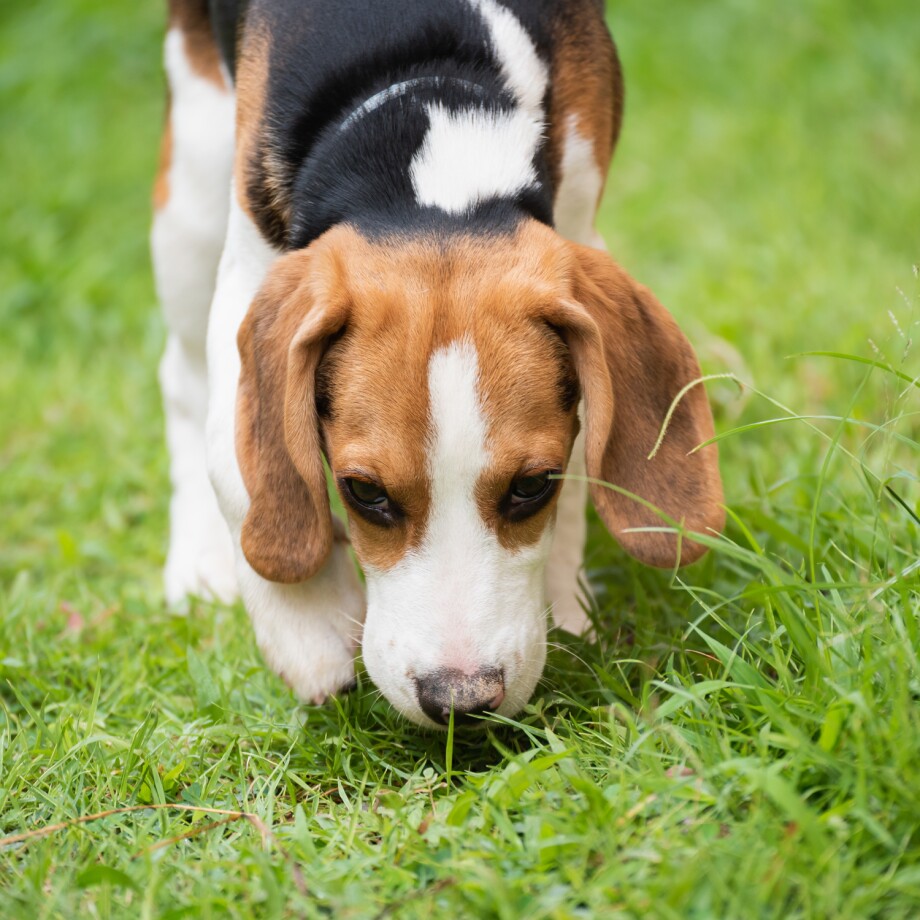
x=314 y=675
x=308 y=650
x=309 y=633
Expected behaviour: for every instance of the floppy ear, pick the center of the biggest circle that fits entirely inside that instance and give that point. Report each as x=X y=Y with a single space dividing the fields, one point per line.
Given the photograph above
x=632 y=360
x=287 y=532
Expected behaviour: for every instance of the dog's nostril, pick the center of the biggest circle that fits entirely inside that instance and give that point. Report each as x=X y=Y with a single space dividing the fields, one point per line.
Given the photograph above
x=468 y=694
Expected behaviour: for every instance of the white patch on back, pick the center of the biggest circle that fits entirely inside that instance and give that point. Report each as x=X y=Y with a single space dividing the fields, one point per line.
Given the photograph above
x=473 y=155
x=524 y=72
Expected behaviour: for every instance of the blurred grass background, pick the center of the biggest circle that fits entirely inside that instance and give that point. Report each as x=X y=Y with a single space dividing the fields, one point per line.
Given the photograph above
x=766 y=187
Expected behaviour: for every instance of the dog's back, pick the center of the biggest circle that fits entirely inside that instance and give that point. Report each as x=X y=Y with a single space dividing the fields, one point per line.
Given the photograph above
x=310 y=156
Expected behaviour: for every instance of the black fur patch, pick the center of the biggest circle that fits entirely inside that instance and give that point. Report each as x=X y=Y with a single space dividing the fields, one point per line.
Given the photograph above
x=227 y=19
x=326 y=59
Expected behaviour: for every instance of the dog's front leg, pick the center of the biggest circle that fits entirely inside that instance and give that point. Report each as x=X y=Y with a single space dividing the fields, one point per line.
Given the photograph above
x=566 y=560
x=308 y=632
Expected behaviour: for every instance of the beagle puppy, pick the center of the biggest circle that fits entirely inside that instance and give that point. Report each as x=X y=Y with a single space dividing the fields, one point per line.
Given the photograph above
x=374 y=245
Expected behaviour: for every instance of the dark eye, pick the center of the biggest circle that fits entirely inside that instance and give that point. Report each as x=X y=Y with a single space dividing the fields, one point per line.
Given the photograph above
x=528 y=494
x=369 y=499
x=529 y=488
x=368 y=494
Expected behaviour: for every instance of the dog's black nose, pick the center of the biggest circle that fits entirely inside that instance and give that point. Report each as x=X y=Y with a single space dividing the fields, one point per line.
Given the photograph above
x=467 y=694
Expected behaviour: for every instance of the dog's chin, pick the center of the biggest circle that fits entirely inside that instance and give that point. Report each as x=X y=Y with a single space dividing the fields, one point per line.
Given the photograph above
x=394 y=672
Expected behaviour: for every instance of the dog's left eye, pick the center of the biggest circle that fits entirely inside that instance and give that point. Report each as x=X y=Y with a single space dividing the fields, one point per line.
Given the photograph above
x=528 y=494
x=529 y=488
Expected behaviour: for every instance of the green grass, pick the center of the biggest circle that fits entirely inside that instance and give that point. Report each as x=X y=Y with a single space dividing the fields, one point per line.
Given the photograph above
x=742 y=741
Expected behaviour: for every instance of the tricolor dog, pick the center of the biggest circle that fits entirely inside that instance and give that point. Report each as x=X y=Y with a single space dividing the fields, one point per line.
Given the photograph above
x=374 y=244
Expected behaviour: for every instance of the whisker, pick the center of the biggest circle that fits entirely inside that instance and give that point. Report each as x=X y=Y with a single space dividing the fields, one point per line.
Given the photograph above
x=351 y=619
x=577 y=657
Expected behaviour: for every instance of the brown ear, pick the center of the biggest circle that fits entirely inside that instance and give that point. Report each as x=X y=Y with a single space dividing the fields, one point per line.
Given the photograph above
x=632 y=360
x=287 y=532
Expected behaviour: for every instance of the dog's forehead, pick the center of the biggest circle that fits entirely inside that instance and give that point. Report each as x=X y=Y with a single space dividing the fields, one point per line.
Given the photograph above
x=411 y=299
x=445 y=275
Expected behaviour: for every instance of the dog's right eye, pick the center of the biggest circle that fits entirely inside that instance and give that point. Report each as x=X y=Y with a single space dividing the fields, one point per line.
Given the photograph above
x=368 y=493
x=366 y=497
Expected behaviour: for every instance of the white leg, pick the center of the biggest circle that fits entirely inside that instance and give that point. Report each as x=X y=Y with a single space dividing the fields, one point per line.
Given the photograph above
x=574 y=210
x=567 y=554
x=308 y=632
x=200 y=556
x=188 y=231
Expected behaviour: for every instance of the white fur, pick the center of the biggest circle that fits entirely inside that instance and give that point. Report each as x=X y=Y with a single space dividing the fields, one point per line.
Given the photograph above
x=186 y=242
x=473 y=155
x=567 y=555
x=460 y=600
x=579 y=192
x=524 y=72
x=307 y=632
x=577 y=199
x=244 y=264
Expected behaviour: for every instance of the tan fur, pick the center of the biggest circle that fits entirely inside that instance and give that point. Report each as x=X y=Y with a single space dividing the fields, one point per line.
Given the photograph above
x=191 y=18
x=398 y=302
x=251 y=86
x=287 y=533
x=161 y=181
x=633 y=361
x=520 y=367
x=407 y=301
x=378 y=389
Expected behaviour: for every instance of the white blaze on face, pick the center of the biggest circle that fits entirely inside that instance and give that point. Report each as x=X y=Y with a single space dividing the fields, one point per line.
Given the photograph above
x=474 y=154
x=460 y=600
x=457 y=456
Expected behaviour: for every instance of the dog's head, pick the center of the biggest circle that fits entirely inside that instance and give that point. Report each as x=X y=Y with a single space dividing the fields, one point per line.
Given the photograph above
x=441 y=380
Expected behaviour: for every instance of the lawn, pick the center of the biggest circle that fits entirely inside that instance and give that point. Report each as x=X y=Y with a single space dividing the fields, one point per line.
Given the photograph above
x=743 y=740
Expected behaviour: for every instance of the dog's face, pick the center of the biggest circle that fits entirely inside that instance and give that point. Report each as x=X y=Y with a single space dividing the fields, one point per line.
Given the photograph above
x=447 y=408
x=441 y=381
